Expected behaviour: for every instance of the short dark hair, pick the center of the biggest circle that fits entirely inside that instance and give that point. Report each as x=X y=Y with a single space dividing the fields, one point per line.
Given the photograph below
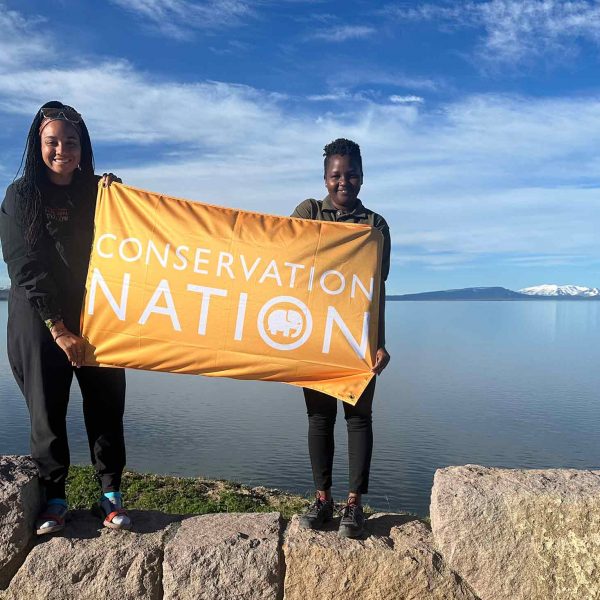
x=343 y=147
x=33 y=171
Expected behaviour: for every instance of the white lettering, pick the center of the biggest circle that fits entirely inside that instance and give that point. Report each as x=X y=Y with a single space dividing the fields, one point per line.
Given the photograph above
x=179 y=254
x=368 y=293
x=161 y=290
x=221 y=264
x=241 y=315
x=334 y=316
x=294 y=268
x=272 y=266
x=247 y=273
x=164 y=259
x=112 y=236
x=135 y=242
x=206 y=292
x=119 y=309
x=198 y=261
x=326 y=289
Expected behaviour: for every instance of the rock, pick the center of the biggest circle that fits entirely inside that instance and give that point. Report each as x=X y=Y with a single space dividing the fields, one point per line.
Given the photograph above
x=19 y=506
x=520 y=534
x=396 y=561
x=223 y=556
x=86 y=561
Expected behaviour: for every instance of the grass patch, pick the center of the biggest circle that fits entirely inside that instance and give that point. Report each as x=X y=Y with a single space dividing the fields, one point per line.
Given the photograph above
x=182 y=495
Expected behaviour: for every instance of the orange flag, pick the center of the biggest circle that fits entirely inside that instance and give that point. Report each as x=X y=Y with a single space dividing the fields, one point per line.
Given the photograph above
x=185 y=287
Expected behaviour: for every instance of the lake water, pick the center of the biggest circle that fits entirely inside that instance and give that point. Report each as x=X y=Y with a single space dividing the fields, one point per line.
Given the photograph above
x=511 y=384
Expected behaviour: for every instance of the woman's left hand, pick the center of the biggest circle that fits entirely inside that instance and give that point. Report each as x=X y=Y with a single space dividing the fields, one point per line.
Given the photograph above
x=382 y=358
x=108 y=178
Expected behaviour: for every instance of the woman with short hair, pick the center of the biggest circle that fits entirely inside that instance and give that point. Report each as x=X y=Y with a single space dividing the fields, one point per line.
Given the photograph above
x=343 y=174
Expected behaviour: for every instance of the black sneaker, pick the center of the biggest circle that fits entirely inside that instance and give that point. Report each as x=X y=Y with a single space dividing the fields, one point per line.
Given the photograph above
x=352 y=524
x=317 y=514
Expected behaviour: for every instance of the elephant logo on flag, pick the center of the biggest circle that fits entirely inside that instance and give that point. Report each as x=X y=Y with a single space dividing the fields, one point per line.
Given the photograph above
x=285 y=321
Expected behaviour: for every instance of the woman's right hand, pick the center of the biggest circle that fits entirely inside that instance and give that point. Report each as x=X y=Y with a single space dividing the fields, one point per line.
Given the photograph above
x=72 y=345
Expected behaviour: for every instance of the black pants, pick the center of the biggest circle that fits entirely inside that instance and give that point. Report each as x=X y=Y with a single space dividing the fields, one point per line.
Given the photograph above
x=44 y=375
x=322 y=410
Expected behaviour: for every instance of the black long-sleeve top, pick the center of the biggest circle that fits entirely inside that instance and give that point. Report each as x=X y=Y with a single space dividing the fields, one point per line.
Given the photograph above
x=51 y=275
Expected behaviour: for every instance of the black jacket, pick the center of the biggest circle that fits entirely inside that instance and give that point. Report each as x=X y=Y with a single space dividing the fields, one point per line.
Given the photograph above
x=52 y=274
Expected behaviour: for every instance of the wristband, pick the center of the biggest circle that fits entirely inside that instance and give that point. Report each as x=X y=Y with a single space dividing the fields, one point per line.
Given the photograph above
x=50 y=323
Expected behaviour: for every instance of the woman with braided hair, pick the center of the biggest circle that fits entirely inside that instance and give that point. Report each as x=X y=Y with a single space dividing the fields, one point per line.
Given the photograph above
x=46 y=228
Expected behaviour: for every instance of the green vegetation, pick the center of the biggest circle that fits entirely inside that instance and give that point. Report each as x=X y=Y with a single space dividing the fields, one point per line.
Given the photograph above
x=183 y=495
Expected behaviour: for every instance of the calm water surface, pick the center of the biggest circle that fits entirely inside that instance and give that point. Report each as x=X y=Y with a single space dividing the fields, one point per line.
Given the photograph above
x=512 y=384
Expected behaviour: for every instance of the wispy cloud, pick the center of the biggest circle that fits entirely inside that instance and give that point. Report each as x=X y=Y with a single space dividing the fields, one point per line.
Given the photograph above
x=342 y=33
x=180 y=18
x=376 y=76
x=516 y=31
x=18 y=42
x=406 y=99
x=344 y=96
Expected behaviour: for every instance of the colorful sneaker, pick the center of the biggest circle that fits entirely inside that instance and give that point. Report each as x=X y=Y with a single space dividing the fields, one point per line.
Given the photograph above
x=52 y=517
x=110 y=509
x=352 y=524
x=317 y=514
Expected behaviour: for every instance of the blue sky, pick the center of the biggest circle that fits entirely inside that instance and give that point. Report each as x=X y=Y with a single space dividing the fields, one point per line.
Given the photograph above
x=479 y=122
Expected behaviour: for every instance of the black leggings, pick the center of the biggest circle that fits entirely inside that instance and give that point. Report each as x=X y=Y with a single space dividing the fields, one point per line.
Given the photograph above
x=44 y=375
x=322 y=410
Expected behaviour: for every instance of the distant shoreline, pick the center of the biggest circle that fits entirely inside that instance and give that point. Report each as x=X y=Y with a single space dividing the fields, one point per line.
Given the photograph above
x=466 y=295
x=412 y=298
x=409 y=298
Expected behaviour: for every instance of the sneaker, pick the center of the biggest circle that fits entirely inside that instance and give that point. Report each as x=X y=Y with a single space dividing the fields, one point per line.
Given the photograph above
x=317 y=514
x=52 y=518
x=352 y=524
x=111 y=510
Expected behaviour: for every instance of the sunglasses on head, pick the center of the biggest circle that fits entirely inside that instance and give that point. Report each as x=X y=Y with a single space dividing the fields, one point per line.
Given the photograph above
x=66 y=113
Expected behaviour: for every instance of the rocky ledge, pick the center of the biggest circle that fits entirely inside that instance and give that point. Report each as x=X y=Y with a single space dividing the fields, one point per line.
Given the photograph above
x=497 y=535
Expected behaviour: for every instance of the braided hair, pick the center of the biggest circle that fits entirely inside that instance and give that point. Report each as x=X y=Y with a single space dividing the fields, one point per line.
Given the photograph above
x=30 y=209
x=343 y=147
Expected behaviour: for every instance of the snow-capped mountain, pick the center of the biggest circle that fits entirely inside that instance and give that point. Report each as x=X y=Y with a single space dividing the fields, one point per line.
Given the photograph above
x=561 y=290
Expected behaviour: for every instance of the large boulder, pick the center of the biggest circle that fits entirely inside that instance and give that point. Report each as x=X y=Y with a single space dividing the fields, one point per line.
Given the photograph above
x=224 y=557
x=19 y=506
x=395 y=561
x=87 y=561
x=520 y=534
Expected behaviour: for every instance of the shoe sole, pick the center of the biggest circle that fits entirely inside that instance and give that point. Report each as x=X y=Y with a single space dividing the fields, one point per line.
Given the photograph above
x=348 y=533
x=98 y=512
x=47 y=530
x=314 y=526
x=115 y=526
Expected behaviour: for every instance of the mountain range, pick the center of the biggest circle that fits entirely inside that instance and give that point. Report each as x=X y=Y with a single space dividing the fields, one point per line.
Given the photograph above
x=540 y=292
x=561 y=290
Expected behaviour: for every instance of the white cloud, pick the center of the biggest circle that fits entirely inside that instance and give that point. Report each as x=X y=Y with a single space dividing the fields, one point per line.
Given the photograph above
x=343 y=96
x=129 y=107
x=454 y=185
x=342 y=33
x=516 y=31
x=18 y=42
x=374 y=75
x=406 y=99
x=180 y=18
x=486 y=176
